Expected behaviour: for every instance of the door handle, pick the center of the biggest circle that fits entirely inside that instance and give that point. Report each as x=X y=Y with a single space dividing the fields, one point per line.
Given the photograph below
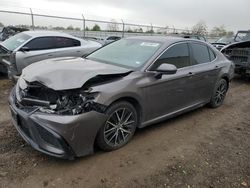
x=191 y=74
x=217 y=67
x=50 y=55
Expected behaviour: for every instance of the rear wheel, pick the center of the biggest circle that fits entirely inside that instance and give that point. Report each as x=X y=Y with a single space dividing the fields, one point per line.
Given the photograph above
x=219 y=93
x=119 y=127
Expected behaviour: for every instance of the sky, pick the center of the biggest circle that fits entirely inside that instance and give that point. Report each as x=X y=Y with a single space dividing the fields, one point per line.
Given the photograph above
x=183 y=14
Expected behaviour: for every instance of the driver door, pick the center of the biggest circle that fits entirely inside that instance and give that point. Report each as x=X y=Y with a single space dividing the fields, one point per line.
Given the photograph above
x=170 y=93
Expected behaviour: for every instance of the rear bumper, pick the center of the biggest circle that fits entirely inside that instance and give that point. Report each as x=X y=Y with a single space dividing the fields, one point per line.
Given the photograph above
x=59 y=136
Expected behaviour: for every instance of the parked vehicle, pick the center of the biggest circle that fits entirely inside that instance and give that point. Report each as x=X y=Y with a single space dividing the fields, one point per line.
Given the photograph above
x=239 y=52
x=111 y=39
x=198 y=37
x=9 y=31
x=63 y=106
x=29 y=47
x=222 y=42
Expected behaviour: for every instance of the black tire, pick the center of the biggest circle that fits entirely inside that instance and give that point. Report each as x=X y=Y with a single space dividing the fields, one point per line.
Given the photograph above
x=118 y=125
x=219 y=93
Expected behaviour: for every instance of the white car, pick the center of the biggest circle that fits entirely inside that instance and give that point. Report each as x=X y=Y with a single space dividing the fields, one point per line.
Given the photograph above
x=29 y=47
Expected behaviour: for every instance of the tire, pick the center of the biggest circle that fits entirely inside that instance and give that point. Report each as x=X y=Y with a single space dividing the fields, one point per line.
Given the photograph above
x=119 y=128
x=219 y=93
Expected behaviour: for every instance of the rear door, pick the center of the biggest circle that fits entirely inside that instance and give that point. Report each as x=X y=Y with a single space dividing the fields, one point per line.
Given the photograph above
x=204 y=71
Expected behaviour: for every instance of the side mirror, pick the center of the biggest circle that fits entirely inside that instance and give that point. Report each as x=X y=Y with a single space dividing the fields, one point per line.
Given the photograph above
x=24 y=49
x=165 y=69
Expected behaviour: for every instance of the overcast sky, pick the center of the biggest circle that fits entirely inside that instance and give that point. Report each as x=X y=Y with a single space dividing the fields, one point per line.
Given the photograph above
x=234 y=14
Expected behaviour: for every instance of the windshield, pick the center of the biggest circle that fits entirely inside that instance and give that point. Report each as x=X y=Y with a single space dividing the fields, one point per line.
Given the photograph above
x=129 y=53
x=14 y=42
x=242 y=36
x=225 y=40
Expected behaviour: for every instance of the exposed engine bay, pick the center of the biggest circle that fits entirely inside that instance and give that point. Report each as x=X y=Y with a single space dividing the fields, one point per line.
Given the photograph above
x=71 y=102
x=239 y=53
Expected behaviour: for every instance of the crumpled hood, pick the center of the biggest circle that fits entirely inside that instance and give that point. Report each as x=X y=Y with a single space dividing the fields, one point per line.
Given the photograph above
x=243 y=44
x=68 y=73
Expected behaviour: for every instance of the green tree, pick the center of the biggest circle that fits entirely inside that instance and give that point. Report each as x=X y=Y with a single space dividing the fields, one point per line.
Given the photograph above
x=96 y=28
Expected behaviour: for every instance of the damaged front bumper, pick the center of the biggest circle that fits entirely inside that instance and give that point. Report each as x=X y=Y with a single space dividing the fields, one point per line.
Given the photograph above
x=63 y=136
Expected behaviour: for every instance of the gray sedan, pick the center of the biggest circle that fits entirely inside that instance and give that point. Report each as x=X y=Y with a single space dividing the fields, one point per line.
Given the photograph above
x=63 y=106
x=29 y=47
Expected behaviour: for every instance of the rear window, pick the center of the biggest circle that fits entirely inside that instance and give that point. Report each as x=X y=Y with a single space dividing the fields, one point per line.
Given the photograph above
x=63 y=42
x=212 y=54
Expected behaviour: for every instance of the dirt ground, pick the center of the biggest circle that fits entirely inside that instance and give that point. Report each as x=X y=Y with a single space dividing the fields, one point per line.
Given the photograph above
x=204 y=148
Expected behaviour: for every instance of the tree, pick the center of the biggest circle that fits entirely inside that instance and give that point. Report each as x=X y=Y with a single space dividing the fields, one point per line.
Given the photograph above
x=1 y=24
x=200 y=28
x=86 y=28
x=58 y=28
x=129 y=30
x=218 y=31
x=96 y=28
x=113 y=26
x=221 y=31
x=70 y=27
x=230 y=33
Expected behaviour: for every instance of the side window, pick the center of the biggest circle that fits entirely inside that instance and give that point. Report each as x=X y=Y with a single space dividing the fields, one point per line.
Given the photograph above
x=177 y=55
x=212 y=54
x=63 y=42
x=41 y=43
x=200 y=54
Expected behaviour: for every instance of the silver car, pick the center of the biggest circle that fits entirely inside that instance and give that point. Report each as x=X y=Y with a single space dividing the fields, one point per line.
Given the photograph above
x=28 y=47
x=64 y=106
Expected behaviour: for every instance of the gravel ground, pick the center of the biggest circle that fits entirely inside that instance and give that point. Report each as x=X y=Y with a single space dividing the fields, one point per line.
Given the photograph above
x=203 y=148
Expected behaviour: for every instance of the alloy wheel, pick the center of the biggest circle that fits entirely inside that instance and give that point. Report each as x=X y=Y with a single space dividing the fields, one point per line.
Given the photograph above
x=119 y=127
x=220 y=93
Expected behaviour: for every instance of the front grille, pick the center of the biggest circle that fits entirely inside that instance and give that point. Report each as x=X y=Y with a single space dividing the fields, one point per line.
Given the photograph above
x=22 y=125
x=239 y=59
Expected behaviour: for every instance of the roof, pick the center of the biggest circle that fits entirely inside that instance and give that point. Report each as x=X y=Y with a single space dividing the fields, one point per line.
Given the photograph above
x=47 y=33
x=165 y=39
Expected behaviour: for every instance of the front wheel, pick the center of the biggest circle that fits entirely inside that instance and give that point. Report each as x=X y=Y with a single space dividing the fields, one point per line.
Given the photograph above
x=219 y=93
x=119 y=128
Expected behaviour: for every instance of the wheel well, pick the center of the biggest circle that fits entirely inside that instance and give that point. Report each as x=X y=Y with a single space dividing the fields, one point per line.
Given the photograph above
x=135 y=103
x=226 y=78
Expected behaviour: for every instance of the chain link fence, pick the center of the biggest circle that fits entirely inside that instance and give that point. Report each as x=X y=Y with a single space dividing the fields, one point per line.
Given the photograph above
x=82 y=27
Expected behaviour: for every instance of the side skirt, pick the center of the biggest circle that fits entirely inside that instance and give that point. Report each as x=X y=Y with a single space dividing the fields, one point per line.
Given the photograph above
x=172 y=114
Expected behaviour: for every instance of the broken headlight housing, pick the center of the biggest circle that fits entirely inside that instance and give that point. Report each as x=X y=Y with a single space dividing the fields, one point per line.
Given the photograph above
x=69 y=102
x=74 y=104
